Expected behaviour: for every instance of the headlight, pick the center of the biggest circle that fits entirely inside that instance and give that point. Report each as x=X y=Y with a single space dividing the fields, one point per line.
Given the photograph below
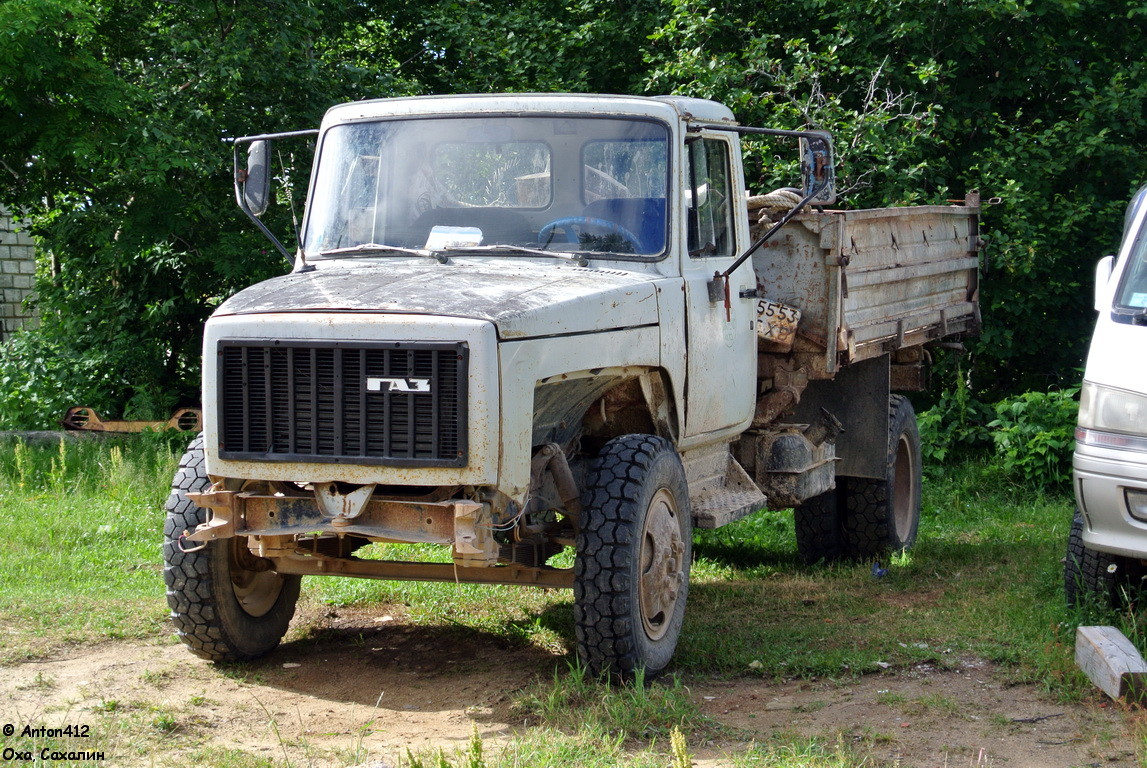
x=1112 y=418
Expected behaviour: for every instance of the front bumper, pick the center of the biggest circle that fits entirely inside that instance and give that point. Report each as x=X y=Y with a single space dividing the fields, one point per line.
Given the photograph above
x=306 y=536
x=1102 y=477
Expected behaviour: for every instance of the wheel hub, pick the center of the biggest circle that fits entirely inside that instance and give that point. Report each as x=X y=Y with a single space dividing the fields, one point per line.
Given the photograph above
x=256 y=591
x=662 y=565
x=903 y=507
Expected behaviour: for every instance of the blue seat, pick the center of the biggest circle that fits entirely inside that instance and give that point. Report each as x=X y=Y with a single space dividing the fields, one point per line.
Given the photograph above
x=643 y=216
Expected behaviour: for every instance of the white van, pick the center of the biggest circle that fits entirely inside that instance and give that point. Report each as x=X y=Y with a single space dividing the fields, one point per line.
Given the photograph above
x=1107 y=547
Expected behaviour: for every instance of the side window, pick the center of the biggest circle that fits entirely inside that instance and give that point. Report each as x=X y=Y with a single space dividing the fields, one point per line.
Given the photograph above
x=709 y=198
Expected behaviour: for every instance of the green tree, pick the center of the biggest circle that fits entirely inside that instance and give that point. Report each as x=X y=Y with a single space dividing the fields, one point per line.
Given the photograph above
x=112 y=121
x=112 y=115
x=1040 y=103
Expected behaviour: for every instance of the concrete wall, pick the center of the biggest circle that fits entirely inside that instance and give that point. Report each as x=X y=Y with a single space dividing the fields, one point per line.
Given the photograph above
x=17 y=276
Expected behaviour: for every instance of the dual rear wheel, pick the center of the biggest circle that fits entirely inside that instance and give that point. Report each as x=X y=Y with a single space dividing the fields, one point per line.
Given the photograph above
x=867 y=517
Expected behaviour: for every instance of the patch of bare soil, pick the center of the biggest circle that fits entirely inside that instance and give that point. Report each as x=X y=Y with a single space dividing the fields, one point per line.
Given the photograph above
x=927 y=717
x=365 y=688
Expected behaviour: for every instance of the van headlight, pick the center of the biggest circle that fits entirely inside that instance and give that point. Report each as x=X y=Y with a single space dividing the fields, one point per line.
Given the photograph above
x=1112 y=418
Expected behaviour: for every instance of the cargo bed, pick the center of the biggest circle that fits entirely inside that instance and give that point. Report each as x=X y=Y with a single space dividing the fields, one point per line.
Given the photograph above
x=873 y=281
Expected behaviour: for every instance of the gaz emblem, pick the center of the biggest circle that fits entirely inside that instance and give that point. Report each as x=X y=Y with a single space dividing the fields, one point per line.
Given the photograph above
x=397 y=385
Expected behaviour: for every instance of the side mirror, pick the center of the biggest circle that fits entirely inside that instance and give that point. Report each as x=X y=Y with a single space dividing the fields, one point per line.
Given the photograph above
x=1103 y=272
x=254 y=184
x=817 y=170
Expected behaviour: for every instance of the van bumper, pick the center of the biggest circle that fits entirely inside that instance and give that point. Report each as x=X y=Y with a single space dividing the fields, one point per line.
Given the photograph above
x=1102 y=478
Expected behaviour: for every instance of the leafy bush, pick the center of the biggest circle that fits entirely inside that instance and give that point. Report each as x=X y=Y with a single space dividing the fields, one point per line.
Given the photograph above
x=38 y=382
x=1034 y=435
x=955 y=427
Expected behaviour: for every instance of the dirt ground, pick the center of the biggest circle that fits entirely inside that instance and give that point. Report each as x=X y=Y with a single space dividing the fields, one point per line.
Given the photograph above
x=371 y=686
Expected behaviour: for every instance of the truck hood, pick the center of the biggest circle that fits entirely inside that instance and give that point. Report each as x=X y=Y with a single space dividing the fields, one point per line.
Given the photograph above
x=522 y=299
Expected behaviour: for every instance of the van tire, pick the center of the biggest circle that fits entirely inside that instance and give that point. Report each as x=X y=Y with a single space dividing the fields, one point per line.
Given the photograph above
x=1096 y=578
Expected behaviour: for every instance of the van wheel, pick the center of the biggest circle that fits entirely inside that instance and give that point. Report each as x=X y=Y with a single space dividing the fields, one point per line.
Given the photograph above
x=883 y=515
x=226 y=606
x=634 y=547
x=1096 y=578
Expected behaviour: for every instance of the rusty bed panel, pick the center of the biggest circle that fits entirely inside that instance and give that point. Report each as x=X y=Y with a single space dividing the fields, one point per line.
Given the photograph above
x=872 y=281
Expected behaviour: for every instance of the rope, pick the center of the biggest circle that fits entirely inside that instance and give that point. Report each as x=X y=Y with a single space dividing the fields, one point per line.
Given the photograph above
x=777 y=201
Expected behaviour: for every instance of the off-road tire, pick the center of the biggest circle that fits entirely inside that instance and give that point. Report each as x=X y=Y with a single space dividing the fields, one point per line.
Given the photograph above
x=634 y=548
x=880 y=516
x=1098 y=579
x=204 y=587
x=818 y=528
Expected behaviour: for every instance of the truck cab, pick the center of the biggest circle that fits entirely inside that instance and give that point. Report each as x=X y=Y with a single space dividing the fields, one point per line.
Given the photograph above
x=1107 y=544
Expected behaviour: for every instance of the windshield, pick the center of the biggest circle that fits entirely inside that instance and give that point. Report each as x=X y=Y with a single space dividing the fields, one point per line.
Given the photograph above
x=560 y=184
x=1132 y=293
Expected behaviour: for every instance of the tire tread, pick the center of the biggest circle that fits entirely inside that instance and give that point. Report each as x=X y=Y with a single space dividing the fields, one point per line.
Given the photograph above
x=188 y=576
x=604 y=607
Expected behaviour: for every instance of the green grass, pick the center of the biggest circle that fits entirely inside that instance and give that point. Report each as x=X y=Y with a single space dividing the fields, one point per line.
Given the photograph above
x=985 y=578
x=622 y=712
x=80 y=536
x=552 y=747
x=80 y=561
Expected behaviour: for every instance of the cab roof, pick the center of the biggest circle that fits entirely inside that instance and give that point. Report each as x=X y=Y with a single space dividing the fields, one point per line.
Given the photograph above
x=669 y=108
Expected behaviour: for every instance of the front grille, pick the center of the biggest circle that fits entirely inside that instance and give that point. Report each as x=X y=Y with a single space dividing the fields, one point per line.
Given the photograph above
x=392 y=403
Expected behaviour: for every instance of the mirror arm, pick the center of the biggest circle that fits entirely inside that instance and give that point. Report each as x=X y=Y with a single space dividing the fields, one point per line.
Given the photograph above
x=240 y=176
x=810 y=136
x=241 y=200
x=745 y=129
x=773 y=230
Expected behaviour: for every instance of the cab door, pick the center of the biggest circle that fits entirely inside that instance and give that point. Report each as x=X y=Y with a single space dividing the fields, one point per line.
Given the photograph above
x=721 y=360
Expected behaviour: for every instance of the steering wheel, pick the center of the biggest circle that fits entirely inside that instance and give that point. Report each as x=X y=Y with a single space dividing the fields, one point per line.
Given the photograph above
x=569 y=223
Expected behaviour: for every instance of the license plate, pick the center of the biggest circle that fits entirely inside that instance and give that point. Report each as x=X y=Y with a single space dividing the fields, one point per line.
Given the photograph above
x=777 y=323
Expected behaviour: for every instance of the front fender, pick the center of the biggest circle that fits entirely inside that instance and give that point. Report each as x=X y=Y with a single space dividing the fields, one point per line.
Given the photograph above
x=524 y=364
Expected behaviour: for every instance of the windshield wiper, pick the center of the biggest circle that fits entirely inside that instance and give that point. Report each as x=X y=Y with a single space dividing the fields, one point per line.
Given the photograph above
x=578 y=257
x=373 y=248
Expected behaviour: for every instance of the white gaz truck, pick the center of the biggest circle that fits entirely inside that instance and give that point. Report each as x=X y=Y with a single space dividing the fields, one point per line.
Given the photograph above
x=518 y=324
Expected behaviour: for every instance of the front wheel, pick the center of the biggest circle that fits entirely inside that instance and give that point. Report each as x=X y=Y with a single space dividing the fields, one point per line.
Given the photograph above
x=225 y=604
x=631 y=576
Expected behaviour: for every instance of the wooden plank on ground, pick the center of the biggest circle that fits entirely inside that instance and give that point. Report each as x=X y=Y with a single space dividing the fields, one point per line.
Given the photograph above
x=1111 y=662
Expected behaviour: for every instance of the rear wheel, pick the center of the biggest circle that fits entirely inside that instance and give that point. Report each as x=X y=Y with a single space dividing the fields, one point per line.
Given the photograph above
x=818 y=528
x=631 y=576
x=882 y=515
x=225 y=603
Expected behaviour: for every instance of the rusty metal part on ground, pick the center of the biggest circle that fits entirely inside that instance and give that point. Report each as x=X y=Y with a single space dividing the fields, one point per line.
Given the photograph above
x=82 y=418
